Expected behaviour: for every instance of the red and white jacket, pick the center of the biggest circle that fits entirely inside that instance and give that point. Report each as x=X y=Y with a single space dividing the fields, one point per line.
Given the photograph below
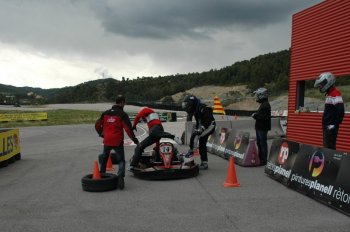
x=148 y=115
x=333 y=113
x=111 y=126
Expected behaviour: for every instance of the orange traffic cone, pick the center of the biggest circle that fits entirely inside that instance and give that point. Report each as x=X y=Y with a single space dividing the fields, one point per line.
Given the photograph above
x=109 y=166
x=231 y=179
x=218 y=108
x=96 y=175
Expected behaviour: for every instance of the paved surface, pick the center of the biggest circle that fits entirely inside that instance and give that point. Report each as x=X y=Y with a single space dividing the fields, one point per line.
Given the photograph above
x=43 y=192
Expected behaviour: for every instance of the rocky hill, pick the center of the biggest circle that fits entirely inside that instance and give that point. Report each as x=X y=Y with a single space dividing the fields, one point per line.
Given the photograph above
x=240 y=98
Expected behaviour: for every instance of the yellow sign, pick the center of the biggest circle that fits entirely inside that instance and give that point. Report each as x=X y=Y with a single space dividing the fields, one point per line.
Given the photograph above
x=9 y=143
x=23 y=117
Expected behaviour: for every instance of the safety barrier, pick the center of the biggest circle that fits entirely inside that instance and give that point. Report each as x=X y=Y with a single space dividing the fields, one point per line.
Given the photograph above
x=236 y=138
x=320 y=173
x=10 y=150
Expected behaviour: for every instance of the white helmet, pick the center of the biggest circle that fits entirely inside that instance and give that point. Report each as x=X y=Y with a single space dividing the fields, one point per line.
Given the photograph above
x=261 y=94
x=325 y=81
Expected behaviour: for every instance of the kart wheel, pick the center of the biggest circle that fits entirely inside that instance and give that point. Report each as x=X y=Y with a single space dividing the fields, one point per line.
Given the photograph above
x=107 y=182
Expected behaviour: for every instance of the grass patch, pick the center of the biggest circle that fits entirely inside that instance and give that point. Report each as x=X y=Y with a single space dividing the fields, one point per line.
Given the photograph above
x=55 y=117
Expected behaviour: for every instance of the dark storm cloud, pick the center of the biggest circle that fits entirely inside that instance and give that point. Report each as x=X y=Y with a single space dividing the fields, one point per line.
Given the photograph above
x=191 y=18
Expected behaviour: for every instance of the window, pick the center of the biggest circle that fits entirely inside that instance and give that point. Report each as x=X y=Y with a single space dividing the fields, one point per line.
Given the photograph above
x=311 y=99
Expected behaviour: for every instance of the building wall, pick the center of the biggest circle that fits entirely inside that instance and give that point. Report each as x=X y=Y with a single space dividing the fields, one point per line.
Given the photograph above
x=320 y=43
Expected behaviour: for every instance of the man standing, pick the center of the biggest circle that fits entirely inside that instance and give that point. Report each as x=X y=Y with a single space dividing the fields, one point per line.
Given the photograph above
x=262 y=123
x=111 y=126
x=333 y=113
x=205 y=126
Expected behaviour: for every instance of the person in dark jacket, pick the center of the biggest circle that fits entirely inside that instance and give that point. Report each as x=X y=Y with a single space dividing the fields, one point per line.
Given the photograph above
x=111 y=126
x=205 y=125
x=156 y=132
x=262 y=123
x=333 y=113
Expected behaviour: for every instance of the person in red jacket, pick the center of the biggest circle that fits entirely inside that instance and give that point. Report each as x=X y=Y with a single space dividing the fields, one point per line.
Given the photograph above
x=334 y=110
x=156 y=132
x=111 y=126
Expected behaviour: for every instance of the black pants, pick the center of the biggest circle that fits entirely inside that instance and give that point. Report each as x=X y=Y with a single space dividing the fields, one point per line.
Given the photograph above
x=261 y=142
x=202 y=146
x=120 y=156
x=330 y=138
x=155 y=134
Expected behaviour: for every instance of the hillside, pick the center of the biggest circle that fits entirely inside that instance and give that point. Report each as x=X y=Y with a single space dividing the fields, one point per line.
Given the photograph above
x=240 y=98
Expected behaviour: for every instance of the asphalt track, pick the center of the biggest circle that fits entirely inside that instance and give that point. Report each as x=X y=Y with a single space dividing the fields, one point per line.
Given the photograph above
x=42 y=192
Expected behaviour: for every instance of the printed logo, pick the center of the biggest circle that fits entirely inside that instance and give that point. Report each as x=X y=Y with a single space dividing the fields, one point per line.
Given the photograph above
x=238 y=141
x=111 y=120
x=222 y=135
x=316 y=163
x=283 y=154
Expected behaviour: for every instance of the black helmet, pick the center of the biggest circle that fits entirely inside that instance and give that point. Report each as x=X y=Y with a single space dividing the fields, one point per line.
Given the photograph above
x=189 y=103
x=120 y=99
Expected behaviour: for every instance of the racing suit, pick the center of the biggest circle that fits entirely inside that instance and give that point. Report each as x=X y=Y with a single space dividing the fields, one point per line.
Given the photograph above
x=333 y=115
x=205 y=126
x=111 y=126
x=155 y=132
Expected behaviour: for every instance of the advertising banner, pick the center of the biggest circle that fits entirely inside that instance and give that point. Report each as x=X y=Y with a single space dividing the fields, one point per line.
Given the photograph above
x=220 y=141
x=315 y=173
x=9 y=144
x=281 y=159
x=211 y=140
x=236 y=146
x=341 y=192
x=37 y=116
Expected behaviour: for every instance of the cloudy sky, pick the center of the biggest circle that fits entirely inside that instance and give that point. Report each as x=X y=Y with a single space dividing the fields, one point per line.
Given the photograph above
x=57 y=43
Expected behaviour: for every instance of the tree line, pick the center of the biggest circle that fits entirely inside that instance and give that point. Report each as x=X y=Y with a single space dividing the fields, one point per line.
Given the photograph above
x=270 y=70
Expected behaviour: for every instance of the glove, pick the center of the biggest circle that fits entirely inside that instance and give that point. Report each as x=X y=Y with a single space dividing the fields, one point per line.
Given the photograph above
x=253 y=115
x=200 y=130
x=134 y=128
x=136 y=141
x=330 y=127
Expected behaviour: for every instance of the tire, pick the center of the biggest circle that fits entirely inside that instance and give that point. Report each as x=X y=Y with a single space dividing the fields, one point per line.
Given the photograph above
x=107 y=182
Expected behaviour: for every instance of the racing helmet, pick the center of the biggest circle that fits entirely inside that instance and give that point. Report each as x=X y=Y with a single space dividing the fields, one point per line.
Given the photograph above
x=189 y=103
x=261 y=94
x=325 y=81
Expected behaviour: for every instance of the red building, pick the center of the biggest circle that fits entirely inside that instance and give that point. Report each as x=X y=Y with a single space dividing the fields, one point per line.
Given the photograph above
x=320 y=43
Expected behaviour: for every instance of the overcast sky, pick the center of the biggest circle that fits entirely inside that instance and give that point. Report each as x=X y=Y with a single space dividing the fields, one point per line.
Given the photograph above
x=57 y=43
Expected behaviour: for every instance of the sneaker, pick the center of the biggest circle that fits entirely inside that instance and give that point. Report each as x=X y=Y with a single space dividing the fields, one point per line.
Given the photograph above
x=121 y=182
x=203 y=166
x=177 y=140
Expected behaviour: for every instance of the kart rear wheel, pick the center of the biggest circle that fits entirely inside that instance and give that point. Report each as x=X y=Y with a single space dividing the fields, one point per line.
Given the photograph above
x=107 y=182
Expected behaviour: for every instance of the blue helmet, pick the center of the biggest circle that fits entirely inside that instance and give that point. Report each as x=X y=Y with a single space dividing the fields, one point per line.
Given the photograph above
x=190 y=103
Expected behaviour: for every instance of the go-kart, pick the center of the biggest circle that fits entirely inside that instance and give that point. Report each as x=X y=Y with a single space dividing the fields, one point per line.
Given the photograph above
x=165 y=162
